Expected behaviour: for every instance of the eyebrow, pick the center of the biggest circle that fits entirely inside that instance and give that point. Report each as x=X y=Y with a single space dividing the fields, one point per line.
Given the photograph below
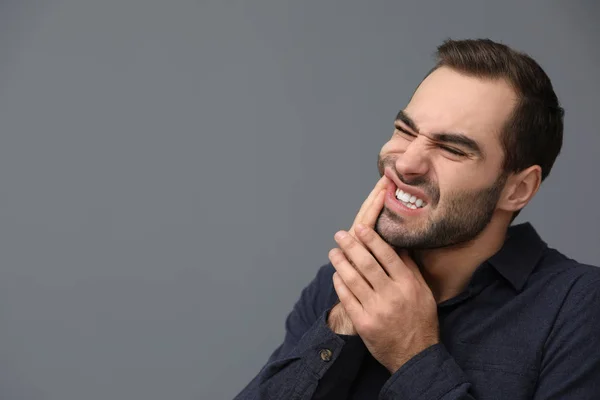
x=456 y=138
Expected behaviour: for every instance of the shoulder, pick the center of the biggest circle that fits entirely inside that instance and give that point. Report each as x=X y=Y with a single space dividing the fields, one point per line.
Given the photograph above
x=555 y=265
x=575 y=281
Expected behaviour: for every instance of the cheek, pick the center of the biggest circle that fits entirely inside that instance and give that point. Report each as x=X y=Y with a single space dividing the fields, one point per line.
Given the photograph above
x=386 y=149
x=386 y=154
x=463 y=178
x=394 y=145
x=471 y=177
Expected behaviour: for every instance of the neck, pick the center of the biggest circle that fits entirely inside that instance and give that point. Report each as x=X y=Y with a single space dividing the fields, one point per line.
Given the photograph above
x=448 y=270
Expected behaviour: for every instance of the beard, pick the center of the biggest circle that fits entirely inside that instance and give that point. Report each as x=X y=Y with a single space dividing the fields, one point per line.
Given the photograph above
x=461 y=217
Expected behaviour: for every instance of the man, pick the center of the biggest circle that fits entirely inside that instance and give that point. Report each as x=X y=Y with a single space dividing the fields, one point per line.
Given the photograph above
x=431 y=295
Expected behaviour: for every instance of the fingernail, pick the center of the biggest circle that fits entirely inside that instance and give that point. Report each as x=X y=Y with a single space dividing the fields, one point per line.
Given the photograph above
x=340 y=235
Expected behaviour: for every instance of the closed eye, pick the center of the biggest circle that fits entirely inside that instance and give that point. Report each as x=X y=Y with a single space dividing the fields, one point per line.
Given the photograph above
x=404 y=132
x=453 y=151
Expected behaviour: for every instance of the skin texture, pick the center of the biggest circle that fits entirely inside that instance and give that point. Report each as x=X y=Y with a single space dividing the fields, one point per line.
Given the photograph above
x=393 y=267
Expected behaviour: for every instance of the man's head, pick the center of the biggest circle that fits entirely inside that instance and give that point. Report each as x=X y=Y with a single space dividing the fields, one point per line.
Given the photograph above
x=474 y=143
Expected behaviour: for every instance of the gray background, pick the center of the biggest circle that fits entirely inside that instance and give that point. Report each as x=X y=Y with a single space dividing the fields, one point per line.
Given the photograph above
x=172 y=172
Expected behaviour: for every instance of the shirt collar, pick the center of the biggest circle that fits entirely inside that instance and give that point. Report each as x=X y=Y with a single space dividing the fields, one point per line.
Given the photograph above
x=521 y=252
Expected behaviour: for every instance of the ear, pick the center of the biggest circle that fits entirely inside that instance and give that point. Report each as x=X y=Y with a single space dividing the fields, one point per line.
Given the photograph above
x=520 y=188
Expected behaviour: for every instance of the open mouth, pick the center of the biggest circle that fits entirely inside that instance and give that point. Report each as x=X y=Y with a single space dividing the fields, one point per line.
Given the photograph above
x=409 y=200
x=403 y=198
x=404 y=202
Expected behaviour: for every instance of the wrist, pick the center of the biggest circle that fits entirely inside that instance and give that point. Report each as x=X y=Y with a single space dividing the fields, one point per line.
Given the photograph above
x=395 y=364
x=339 y=322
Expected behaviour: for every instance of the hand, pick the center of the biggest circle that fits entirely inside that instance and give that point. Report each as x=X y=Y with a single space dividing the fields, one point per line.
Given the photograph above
x=386 y=297
x=338 y=320
x=370 y=209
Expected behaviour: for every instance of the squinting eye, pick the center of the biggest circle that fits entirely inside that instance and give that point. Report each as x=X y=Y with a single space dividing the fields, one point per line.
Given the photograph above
x=405 y=133
x=453 y=151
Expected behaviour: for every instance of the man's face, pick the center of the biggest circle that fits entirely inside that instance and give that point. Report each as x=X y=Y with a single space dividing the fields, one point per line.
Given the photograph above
x=446 y=157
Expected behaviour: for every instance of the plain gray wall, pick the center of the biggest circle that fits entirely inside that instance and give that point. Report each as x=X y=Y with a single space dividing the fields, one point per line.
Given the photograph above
x=172 y=172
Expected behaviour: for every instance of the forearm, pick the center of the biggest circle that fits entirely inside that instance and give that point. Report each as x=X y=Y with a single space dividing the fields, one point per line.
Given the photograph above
x=321 y=363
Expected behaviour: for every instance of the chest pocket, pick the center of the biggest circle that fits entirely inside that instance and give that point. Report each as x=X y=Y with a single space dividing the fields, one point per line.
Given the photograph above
x=497 y=372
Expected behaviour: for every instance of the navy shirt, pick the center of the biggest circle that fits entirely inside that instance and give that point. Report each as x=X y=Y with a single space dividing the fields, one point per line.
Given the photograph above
x=527 y=326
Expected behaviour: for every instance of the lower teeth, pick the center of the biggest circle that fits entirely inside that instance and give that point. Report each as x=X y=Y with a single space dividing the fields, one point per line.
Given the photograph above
x=409 y=205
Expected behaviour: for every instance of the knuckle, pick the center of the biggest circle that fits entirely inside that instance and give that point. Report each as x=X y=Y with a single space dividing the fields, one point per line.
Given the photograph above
x=368 y=234
x=352 y=279
x=334 y=255
x=389 y=257
x=349 y=244
x=368 y=265
x=366 y=326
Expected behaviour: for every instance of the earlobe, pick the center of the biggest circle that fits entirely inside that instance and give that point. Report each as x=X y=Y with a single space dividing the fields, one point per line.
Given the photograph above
x=522 y=187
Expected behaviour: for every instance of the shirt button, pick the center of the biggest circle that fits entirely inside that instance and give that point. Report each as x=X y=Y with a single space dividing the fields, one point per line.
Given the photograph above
x=325 y=354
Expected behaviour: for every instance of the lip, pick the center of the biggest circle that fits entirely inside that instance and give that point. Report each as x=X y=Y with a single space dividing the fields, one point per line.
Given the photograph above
x=392 y=203
x=409 y=189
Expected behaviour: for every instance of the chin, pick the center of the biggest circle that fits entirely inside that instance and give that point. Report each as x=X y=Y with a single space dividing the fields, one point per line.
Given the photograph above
x=392 y=230
x=396 y=232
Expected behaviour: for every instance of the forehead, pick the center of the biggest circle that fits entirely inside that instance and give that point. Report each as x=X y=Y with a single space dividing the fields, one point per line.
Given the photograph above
x=447 y=101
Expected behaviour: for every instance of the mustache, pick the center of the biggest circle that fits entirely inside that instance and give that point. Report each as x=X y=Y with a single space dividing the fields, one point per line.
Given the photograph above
x=422 y=182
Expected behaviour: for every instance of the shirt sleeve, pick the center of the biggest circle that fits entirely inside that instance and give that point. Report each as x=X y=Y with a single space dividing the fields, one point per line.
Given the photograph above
x=570 y=366
x=433 y=374
x=312 y=360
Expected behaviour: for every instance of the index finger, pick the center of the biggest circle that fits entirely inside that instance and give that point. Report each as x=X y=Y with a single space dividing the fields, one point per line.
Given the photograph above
x=368 y=213
x=367 y=203
x=372 y=206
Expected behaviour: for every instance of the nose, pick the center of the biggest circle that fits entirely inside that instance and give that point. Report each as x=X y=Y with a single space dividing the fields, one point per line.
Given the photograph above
x=413 y=162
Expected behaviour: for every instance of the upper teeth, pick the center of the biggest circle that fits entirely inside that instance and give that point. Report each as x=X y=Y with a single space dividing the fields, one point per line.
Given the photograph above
x=410 y=200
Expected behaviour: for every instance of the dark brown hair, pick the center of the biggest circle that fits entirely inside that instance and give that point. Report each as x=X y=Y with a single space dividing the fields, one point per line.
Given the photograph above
x=533 y=134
